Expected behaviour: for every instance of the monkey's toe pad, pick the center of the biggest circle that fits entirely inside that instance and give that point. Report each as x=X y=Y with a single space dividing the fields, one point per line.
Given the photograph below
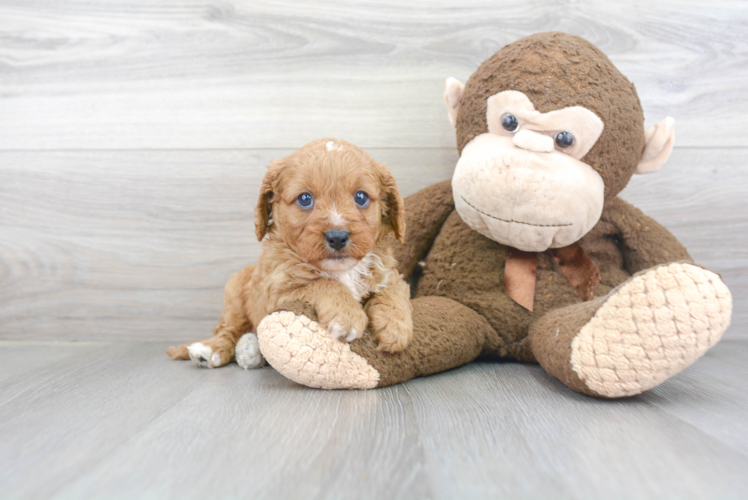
x=650 y=328
x=303 y=351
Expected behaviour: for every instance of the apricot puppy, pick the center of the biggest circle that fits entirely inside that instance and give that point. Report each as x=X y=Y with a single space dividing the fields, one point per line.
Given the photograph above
x=322 y=217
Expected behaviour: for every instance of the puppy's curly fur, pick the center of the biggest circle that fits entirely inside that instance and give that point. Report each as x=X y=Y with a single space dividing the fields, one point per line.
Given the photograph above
x=352 y=287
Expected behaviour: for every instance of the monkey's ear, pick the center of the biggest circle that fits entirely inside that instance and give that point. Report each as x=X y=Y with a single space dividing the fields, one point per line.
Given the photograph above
x=264 y=209
x=660 y=139
x=452 y=95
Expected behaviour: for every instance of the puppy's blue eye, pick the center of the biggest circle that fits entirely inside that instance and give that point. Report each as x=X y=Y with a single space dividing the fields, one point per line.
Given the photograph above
x=305 y=200
x=361 y=199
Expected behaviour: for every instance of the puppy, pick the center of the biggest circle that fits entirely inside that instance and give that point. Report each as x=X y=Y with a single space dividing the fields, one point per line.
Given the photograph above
x=322 y=217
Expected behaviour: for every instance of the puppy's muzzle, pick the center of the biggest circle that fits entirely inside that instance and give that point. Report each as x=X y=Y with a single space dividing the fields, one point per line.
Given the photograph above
x=337 y=239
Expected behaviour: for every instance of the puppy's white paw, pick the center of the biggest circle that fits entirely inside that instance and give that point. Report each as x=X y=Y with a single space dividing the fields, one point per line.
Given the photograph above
x=338 y=332
x=248 y=353
x=204 y=356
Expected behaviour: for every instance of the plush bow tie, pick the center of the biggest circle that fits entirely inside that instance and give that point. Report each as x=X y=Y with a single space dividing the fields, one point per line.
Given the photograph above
x=521 y=268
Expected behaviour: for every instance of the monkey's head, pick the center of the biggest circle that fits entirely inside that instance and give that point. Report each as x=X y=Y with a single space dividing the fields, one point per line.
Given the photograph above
x=548 y=130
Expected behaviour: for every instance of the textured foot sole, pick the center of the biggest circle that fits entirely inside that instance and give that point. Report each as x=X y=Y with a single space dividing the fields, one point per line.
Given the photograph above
x=248 y=354
x=652 y=327
x=301 y=350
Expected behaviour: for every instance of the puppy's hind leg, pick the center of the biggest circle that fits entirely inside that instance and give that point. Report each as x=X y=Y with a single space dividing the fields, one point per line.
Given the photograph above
x=209 y=353
x=215 y=351
x=219 y=349
x=248 y=354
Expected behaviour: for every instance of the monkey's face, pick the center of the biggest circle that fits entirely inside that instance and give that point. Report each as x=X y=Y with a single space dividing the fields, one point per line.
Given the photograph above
x=536 y=165
x=523 y=183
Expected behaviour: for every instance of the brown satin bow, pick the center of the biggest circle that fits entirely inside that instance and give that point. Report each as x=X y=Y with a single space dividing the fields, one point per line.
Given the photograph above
x=521 y=269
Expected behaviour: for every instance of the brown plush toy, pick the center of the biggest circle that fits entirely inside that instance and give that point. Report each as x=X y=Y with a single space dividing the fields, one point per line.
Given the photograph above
x=527 y=254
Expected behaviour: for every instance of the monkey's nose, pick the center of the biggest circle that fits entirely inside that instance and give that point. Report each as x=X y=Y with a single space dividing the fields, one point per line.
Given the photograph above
x=533 y=141
x=337 y=239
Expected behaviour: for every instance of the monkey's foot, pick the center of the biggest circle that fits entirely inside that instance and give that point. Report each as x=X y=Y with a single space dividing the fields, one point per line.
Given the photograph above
x=650 y=328
x=303 y=351
x=446 y=334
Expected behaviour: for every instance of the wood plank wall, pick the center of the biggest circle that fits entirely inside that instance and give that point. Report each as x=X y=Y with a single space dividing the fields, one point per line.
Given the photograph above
x=133 y=134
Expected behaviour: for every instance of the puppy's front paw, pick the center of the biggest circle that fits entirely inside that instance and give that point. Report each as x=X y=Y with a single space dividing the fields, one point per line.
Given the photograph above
x=393 y=329
x=346 y=325
x=395 y=337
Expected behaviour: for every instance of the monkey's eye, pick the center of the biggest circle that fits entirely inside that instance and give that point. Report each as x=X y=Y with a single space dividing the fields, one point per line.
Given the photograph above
x=305 y=201
x=509 y=122
x=361 y=199
x=564 y=139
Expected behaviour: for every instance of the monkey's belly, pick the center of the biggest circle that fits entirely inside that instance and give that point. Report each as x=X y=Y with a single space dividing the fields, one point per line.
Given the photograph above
x=467 y=267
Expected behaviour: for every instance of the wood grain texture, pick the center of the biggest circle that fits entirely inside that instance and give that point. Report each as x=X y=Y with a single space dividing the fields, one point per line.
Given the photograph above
x=101 y=244
x=119 y=420
x=146 y=74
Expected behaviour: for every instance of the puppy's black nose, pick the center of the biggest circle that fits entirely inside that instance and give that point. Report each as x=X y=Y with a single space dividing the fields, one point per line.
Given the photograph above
x=337 y=239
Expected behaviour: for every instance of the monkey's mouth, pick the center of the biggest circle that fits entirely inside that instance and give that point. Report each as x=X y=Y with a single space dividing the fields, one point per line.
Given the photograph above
x=511 y=221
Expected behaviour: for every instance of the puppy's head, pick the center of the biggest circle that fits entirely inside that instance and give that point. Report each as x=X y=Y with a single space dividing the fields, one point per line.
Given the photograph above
x=331 y=203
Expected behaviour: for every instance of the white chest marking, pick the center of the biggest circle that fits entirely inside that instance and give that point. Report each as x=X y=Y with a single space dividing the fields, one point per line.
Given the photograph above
x=356 y=281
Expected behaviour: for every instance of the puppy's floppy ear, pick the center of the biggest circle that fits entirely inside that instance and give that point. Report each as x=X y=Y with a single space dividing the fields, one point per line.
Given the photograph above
x=394 y=207
x=268 y=194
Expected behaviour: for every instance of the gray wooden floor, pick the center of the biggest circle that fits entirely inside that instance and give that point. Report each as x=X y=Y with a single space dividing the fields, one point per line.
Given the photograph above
x=119 y=420
x=133 y=136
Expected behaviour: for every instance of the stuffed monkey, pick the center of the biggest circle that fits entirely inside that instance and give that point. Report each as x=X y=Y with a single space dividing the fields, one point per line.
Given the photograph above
x=527 y=253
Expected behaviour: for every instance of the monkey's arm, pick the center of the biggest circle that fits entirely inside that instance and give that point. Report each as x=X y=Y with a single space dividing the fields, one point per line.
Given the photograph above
x=643 y=242
x=425 y=213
